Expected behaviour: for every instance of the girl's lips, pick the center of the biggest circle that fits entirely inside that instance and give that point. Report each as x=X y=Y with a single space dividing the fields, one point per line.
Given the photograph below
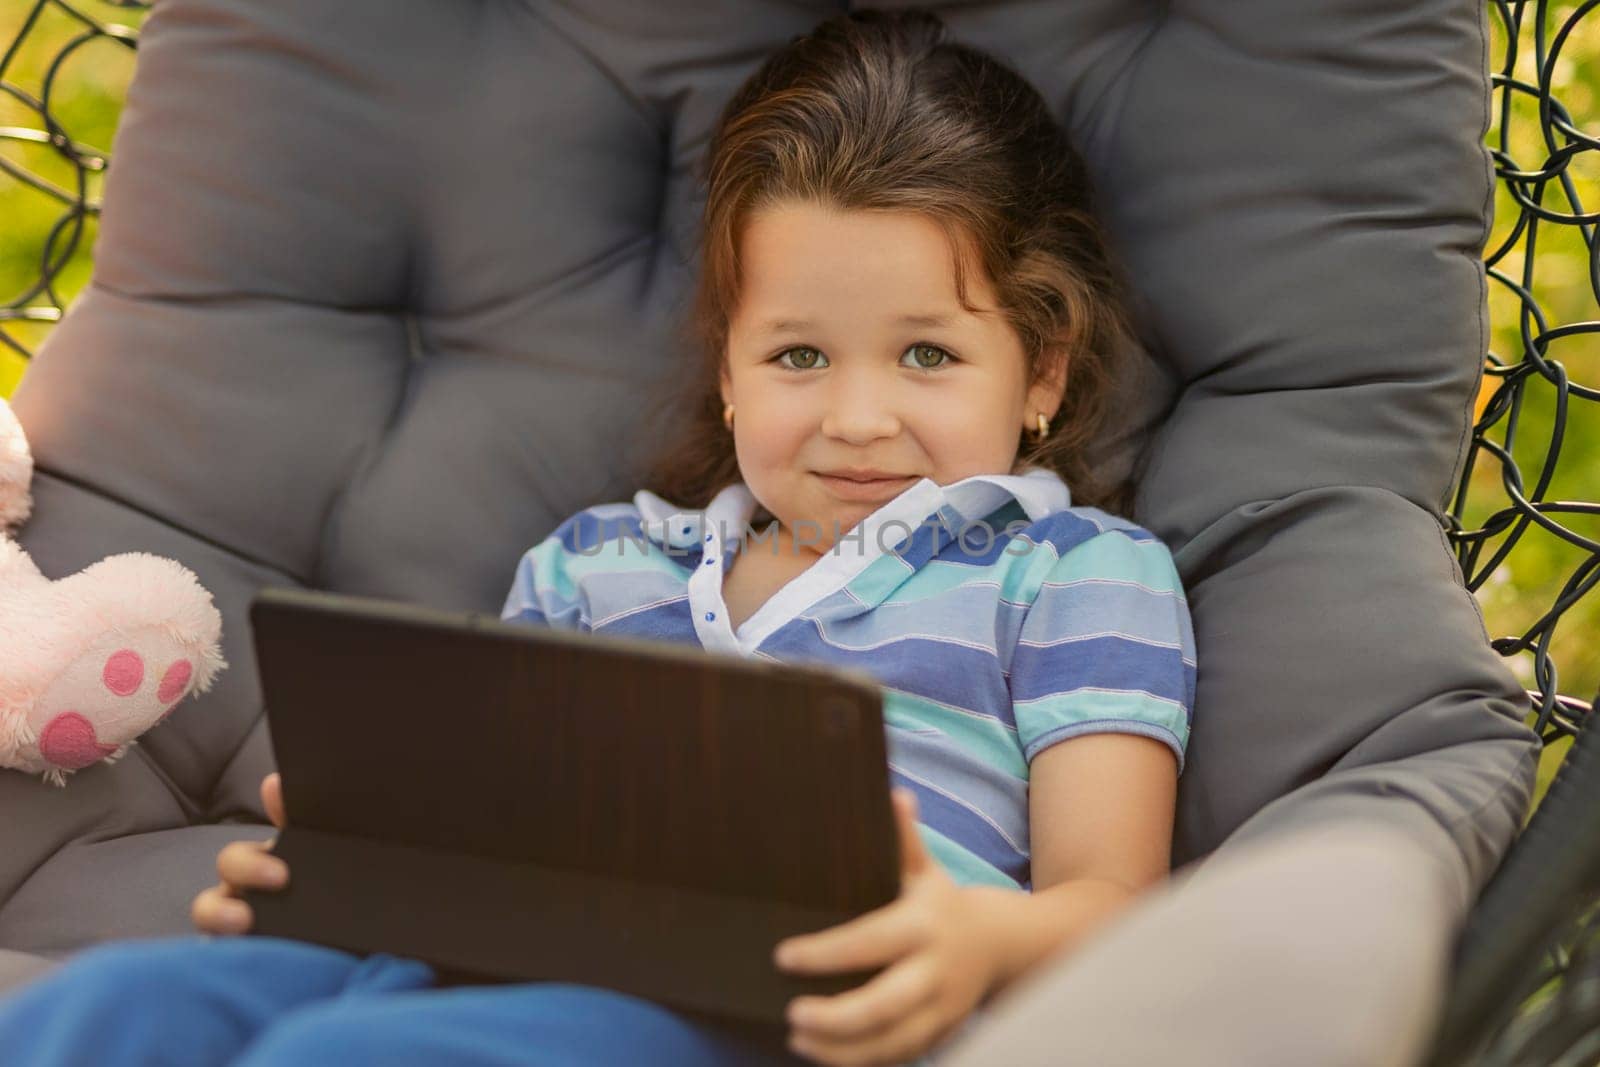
x=875 y=489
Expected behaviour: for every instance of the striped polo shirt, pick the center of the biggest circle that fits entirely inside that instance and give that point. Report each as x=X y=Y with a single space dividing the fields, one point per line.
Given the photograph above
x=998 y=618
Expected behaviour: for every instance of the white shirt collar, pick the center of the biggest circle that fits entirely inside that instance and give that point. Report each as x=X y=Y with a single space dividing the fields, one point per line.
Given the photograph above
x=1039 y=490
x=706 y=534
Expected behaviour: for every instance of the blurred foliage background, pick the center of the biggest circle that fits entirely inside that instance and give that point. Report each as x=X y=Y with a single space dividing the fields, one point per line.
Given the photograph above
x=1565 y=290
x=49 y=213
x=80 y=77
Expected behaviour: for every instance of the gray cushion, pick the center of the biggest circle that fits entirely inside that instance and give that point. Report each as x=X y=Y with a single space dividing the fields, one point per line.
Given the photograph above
x=379 y=296
x=133 y=895
x=1292 y=991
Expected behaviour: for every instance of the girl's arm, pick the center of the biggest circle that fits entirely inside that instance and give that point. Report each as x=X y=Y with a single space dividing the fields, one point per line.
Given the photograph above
x=1100 y=810
x=1100 y=813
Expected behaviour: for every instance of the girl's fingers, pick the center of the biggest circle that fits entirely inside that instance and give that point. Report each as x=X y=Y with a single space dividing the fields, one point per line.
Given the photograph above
x=897 y=1044
x=216 y=912
x=248 y=865
x=871 y=940
x=885 y=1000
x=272 y=798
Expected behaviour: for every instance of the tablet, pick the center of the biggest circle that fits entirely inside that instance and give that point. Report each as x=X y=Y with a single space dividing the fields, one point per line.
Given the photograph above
x=510 y=802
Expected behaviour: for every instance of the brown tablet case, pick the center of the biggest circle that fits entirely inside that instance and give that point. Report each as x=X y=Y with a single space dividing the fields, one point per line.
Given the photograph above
x=516 y=803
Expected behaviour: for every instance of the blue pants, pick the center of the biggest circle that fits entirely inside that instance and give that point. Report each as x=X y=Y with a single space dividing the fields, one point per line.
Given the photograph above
x=267 y=1001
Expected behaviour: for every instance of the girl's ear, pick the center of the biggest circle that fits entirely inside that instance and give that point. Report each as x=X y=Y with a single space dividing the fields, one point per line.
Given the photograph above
x=725 y=384
x=1049 y=386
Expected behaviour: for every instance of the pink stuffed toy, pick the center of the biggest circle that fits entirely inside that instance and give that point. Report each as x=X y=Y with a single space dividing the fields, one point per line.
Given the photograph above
x=90 y=662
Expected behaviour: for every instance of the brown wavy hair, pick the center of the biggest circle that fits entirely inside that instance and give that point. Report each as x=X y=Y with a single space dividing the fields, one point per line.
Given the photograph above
x=877 y=111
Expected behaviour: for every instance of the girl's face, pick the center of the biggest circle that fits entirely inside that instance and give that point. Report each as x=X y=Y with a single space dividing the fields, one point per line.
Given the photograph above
x=829 y=369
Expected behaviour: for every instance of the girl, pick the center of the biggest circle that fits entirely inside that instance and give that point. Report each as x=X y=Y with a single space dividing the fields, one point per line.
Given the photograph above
x=907 y=316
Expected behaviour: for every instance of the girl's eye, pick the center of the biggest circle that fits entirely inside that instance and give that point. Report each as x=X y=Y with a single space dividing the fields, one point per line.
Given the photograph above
x=919 y=363
x=801 y=364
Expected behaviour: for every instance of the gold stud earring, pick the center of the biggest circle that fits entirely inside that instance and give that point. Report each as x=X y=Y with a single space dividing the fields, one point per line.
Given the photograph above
x=727 y=416
x=1043 y=428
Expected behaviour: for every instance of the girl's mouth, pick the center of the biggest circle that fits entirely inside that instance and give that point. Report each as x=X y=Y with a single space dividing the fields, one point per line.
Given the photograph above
x=864 y=489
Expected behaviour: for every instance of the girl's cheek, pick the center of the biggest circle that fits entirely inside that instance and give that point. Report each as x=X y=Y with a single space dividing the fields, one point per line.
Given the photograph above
x=776 y=437
x=983 y=443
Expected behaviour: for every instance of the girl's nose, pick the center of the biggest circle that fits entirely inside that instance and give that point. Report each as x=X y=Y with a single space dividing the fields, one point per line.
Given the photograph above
x=860 y=410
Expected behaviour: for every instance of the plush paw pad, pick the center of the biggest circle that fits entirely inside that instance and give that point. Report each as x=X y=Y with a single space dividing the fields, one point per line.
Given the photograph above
x=69 y=741
x=175 y=681
x=116 y=692
x=124 y=671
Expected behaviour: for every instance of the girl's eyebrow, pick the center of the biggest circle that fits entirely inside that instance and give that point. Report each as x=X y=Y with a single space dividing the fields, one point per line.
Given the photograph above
x=796 y=325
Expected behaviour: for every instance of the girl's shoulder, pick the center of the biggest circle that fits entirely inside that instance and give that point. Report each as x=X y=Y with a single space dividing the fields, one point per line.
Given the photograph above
x=1037 y=504
x=596 y=524
x=569 y=575
x=620 y=537
x=1066 y=529
x=1093 y=551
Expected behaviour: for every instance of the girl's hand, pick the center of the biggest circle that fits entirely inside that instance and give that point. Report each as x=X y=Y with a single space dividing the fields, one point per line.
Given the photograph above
x=940 y=965
x=243 y=865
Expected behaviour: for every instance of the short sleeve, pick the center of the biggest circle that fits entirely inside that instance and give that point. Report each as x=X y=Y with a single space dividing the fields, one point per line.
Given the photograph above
x=542 y=592
x=1106 y=646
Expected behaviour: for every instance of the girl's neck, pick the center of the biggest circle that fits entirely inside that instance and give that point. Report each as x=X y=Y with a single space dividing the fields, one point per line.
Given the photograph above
x=769 y=537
